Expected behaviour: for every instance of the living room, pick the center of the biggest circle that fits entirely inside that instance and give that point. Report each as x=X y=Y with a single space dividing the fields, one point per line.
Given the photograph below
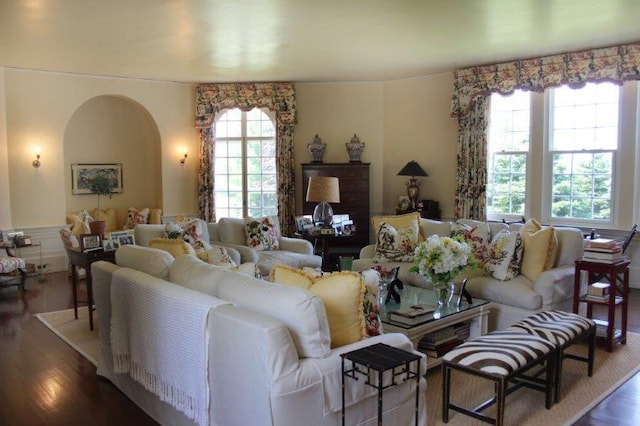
x=119 y=114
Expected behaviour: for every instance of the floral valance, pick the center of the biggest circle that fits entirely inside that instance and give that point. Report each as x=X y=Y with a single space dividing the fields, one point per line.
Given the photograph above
x=616 y=64
x=279 y=97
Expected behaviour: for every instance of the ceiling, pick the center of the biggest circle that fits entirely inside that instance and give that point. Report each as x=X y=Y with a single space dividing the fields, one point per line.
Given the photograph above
x=299 y=40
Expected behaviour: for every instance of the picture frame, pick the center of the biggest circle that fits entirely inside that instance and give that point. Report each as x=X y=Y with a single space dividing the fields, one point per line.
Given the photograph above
x=11 y=237
x=90 y=242
x=107 y=245
x=304 y=223
x=83 y=174
x=121 y=238
x=403 y=202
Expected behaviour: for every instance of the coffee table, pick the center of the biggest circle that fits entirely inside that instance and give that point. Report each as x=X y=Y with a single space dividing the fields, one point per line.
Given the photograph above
x=476 y=312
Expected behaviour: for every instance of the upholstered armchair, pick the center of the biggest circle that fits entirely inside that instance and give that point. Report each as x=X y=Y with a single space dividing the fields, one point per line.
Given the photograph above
x=12 y=269
x=266 y=251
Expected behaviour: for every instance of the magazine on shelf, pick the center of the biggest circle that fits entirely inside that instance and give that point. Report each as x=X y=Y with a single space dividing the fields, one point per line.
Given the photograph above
x=605 y=243
x=602 y=255
x=590 y=259
x=411 y=315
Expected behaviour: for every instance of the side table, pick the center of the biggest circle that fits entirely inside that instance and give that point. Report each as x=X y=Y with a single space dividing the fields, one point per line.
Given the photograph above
x=618 y=276
x=84 y=260
x=326 y=239
x=381 y=358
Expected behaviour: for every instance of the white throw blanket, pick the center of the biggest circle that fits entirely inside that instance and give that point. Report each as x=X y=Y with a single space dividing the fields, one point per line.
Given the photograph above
x=159 y=336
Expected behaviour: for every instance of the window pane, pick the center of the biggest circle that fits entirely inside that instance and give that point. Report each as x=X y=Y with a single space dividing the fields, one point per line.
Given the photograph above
x=250 y=155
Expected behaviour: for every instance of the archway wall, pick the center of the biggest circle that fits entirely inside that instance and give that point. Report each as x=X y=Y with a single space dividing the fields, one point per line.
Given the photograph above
x=54 y=110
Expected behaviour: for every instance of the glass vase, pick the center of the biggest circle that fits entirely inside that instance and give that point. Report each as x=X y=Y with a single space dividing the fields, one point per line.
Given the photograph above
x=443 y=291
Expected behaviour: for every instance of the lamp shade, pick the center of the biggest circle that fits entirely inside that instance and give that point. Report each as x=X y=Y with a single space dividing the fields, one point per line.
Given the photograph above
x=412 y=169
x=323 y=188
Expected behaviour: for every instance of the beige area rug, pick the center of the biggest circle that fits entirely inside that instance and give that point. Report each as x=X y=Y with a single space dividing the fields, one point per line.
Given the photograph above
x=75 y=331
x=578 y=395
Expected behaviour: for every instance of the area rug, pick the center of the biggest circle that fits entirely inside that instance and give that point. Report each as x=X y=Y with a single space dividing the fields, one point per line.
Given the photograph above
x=579 y=393
x=75 y=332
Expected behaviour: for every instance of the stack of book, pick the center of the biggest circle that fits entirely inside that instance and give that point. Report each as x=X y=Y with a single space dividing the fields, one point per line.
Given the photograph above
x=412 y=315
x=603 y=250
x=598 y=291
x=601 y=329
x=438 y=343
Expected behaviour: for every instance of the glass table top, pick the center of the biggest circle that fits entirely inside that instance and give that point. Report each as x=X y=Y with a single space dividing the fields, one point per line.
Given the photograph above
x=412 y=295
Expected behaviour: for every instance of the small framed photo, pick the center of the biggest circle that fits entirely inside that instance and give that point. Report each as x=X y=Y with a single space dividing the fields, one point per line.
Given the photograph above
x=90 y=242
x=126 y=240
x=403 y=202
x=108 y=245
x=121 y=238
x=303 y=223
x=12 y=236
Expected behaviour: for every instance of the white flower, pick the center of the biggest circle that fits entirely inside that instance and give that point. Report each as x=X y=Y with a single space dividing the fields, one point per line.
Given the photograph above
x=441 y=259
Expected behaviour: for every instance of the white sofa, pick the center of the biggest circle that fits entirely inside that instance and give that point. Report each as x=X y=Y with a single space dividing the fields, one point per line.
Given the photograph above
x=512 y=300
x=228 y=232
x=269 y=355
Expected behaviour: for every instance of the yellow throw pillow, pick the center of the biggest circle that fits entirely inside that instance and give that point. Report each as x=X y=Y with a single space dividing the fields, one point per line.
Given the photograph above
x=284 y=274
x=174 y=247
x=408 y=220
x=342 y=294
x=109 y=216
x=540 y=249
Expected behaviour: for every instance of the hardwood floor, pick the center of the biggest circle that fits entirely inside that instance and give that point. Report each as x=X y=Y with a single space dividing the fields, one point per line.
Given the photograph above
x=43 y=381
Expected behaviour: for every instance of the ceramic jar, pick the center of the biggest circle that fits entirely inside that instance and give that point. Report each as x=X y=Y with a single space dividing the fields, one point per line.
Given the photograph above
x=354 y=149
x=316 y=149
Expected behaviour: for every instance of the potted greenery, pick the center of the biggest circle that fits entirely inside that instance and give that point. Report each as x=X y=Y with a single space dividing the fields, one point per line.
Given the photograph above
x=100 y=185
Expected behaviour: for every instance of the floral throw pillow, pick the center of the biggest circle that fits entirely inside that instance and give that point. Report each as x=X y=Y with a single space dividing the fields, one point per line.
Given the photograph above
x=478 y=237
x=262 y=233
x=505 y=255
x=396 y=244
x=136 y=217
x=189 y=231
x=219 y=256
x=371 y=308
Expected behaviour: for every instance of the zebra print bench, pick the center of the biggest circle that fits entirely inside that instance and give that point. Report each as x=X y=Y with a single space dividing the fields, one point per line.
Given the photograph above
x=562 y=329
x=509 y=358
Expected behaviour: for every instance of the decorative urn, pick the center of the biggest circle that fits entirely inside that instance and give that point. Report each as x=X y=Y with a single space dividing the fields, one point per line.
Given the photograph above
x=316 y=149
x=354 y=149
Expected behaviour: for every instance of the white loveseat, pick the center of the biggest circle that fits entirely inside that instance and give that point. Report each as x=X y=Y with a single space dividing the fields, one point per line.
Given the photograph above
x=269 y=355
x=514 y=299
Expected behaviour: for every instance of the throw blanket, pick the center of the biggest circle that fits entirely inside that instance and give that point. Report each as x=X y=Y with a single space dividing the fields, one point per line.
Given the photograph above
x=159 y=336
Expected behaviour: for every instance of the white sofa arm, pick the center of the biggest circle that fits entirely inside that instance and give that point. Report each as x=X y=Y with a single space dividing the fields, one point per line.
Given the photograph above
x=296 y=245
x=559 y=279
x=247 y=254
x=367 y=252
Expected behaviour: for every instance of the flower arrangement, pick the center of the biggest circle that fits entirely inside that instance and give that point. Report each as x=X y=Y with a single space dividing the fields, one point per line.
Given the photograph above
x=441 y=259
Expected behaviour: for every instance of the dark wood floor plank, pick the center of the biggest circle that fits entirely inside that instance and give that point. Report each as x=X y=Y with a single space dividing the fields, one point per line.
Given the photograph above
x=43 y=381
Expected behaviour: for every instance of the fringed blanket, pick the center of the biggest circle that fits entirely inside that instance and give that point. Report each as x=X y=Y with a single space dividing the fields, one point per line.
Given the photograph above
x=159 y=336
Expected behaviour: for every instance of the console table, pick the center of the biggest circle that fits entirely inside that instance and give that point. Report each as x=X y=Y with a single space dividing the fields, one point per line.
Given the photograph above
x=84 y=260
x=618 y=276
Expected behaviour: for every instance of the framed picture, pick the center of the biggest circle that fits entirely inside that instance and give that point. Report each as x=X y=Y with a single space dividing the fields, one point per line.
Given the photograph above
x=304 y=223
x=83 y=174
x=11 y=237
x=403 y=202
x=108 y=245
x=90 y=242
x=120 y=238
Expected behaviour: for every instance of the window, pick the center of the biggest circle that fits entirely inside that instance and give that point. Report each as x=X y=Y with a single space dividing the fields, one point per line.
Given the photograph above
x=245 y=164
x=563 y=147
x=583 y=139
x=508 y=151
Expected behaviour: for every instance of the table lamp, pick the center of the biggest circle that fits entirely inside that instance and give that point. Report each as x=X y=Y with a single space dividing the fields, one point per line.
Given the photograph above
x=413 y=169
x=324 y=190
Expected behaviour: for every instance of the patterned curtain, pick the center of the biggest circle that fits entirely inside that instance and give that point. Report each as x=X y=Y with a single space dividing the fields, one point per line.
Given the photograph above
x=278 y=97
x=472 y=87
x=471 y=171
x=205 y=174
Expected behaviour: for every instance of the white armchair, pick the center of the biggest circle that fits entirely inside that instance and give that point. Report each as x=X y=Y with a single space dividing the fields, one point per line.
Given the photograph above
x=295 y=252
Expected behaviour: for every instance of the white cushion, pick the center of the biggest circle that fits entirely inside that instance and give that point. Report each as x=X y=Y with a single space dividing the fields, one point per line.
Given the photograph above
x=302 y=312
x=153 y=261
x=232 y=231
x=430 y=227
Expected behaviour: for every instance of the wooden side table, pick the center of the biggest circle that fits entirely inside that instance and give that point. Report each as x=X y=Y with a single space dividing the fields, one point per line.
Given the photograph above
x=84 y=260
x=618 y=276
x=381 y=358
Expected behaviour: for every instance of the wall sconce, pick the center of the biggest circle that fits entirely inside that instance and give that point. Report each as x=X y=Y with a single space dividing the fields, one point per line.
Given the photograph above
x=184 y=158
x=36 y=162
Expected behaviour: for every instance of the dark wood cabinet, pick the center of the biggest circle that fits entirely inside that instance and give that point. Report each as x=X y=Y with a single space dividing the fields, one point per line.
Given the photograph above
x=354 y=196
